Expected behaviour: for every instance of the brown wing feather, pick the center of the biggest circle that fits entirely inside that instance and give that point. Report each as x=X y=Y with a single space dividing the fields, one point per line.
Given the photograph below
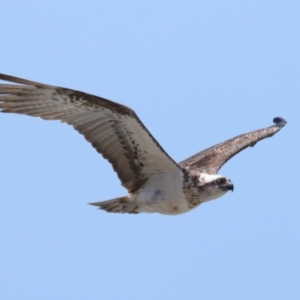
x=114 y=130
x=212 y=159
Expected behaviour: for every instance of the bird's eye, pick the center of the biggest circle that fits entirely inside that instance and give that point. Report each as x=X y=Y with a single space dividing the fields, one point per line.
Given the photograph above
x=220 y=180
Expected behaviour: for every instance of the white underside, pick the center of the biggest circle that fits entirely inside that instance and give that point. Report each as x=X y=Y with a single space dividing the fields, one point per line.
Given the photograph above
x=163 y=195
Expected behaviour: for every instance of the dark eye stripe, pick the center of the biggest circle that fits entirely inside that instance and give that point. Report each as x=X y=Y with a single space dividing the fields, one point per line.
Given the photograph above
x=220 y=180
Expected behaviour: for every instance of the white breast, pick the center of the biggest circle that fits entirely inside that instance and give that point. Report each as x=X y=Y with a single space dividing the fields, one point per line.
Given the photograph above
x=163 y=194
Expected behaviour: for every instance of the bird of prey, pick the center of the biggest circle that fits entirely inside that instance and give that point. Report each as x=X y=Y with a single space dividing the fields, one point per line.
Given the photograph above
x=154 y=181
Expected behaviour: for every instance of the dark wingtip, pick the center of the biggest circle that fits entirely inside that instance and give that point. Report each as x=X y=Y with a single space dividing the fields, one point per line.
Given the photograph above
x=279 y=121
x=94 y=203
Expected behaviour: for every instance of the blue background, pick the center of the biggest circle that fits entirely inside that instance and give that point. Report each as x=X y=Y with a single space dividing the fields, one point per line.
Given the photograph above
x=196 y=73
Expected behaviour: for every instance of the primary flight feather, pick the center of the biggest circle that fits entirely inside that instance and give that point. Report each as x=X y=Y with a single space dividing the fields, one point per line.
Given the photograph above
x=154 y=181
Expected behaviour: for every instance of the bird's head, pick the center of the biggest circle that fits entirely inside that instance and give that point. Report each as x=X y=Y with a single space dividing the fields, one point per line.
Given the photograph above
x=215 y=186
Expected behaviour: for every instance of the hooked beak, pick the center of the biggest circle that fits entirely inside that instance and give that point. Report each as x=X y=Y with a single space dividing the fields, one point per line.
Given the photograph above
x=228 y=186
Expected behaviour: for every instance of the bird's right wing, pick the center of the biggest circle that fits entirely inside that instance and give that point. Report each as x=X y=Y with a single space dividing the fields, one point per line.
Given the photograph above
x=212 y=159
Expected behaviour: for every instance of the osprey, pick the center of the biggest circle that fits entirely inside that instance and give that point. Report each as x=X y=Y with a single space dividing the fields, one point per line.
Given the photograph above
x=154 y=181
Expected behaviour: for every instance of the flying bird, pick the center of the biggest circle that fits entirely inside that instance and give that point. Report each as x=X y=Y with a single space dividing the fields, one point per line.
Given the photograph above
x=154 y=181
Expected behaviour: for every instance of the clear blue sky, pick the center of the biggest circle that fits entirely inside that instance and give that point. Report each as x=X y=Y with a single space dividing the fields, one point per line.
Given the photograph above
x=196 y=73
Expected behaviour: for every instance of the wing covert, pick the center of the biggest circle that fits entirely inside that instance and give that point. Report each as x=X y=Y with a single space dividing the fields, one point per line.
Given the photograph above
x=212 y=159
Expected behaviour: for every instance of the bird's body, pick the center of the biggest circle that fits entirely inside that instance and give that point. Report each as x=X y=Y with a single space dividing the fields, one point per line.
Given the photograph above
x=155 y=183
x=162 y=196
x=175 y=194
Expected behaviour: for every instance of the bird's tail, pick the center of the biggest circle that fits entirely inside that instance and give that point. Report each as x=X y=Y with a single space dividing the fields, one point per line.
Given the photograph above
x=118 y=205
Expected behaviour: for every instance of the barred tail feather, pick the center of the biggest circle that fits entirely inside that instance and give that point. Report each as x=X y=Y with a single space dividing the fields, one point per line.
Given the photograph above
x=118 y=205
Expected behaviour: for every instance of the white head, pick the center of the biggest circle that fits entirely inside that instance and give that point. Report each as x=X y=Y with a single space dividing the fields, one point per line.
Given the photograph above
x=214 y=186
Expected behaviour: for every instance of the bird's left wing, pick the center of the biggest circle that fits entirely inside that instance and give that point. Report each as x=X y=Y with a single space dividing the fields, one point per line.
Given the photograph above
x=212 y=159
x=114 y=130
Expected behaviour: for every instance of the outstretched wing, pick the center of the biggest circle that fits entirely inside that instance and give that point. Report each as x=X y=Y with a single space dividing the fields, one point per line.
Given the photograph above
x=114 y=130
x=212 y=159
